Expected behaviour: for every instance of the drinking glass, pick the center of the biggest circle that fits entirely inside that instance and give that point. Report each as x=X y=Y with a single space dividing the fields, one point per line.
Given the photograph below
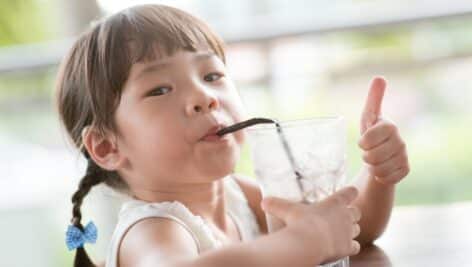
x=317 y=169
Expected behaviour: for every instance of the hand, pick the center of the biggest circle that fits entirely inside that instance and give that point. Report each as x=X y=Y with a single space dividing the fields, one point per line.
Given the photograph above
x=330 y=225
x=384 y=150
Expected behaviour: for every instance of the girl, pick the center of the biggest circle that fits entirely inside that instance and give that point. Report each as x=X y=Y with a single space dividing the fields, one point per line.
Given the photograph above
x=141 y=95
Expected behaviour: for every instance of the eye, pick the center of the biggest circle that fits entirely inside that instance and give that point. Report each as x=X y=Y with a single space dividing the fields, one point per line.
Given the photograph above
x=211 y=77
x=159 y=91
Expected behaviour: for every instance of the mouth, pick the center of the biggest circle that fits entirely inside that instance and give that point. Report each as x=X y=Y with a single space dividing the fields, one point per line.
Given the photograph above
x=211 y=135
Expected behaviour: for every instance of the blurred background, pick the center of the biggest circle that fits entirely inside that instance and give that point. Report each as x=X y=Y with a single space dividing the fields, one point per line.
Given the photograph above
x=290 y=59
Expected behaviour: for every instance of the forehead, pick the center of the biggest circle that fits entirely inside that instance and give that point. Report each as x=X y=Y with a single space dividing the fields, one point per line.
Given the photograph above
x=162 y=60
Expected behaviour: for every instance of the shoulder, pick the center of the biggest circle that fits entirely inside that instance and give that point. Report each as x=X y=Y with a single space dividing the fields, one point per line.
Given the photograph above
x=253 y=195
x=153 y=241
x=249 y=186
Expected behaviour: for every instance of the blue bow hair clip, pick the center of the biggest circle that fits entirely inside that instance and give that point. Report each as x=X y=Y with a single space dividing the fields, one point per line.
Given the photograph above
x=75 y=238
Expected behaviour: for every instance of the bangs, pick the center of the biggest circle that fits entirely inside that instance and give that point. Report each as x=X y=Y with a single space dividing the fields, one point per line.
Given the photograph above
x=151 y=32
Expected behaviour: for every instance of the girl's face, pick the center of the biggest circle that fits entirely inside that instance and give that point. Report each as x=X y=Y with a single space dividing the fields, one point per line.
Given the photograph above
x=166 y=108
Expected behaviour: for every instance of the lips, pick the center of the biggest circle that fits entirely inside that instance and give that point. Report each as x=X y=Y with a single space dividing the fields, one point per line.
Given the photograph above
x=210 y=135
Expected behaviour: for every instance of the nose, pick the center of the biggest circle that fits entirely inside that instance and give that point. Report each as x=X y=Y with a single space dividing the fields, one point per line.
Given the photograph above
x=200 y=100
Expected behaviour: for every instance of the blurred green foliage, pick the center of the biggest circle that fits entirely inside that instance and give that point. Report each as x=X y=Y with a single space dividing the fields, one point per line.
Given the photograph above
x=26 y=21
x=38 y=84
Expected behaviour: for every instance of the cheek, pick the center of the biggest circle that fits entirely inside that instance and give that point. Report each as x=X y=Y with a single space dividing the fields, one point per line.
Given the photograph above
x=233 y=104
x=167 y=139
x=234 y=109
x=240 y=137
x=152 y=139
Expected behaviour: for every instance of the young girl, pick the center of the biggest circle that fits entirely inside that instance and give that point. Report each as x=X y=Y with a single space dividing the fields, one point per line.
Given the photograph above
x=141 y=95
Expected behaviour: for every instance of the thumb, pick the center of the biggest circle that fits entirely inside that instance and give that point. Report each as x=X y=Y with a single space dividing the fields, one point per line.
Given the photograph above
x=373 y=104
x=277 y=207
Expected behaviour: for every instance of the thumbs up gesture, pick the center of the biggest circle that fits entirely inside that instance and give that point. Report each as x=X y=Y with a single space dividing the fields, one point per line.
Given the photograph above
x=384 y=151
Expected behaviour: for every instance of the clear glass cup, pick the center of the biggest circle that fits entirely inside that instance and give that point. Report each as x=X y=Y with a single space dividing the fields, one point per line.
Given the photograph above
x=318 y=146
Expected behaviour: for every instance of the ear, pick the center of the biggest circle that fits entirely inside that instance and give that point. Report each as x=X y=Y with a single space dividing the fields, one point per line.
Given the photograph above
x=102 y=149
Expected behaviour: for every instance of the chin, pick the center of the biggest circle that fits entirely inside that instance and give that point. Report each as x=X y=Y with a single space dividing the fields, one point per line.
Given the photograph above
x=220 y=171
x=219 y=168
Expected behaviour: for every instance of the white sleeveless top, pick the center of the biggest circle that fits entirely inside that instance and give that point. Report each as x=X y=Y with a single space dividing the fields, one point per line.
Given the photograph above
x=136 y=210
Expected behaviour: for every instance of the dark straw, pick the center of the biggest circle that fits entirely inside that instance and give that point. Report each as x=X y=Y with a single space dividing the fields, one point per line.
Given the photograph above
x=241 y=125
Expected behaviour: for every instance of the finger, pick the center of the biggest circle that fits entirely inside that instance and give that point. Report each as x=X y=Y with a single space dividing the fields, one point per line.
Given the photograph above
x=277 y=207
x=384 y=151
x=355 y=213
x=388 y=167
x=373 y=104
x=346 y=195
x=356 y=230
x=377 y=135
x=355 y=248
x=395 y=176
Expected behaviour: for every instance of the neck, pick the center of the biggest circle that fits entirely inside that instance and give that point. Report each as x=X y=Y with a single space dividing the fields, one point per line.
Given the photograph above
x=203 y=199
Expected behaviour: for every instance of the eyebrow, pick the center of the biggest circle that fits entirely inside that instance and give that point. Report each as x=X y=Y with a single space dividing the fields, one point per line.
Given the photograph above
x=163 y=64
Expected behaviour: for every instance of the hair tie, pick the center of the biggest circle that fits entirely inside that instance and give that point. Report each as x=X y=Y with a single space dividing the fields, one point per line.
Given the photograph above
x=76 y=238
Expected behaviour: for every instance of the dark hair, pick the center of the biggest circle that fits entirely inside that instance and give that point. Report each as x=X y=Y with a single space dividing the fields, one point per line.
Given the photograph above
x=92 y=75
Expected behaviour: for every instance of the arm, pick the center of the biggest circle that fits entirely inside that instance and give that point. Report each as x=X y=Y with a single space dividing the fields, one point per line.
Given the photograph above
x=386 y=163
x=268 y=250
x=375 y=202
x=156 y=242
x=313 y=234
x=161 y=242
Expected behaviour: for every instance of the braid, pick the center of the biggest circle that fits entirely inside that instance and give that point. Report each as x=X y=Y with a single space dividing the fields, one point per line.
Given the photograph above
x=92 y=177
